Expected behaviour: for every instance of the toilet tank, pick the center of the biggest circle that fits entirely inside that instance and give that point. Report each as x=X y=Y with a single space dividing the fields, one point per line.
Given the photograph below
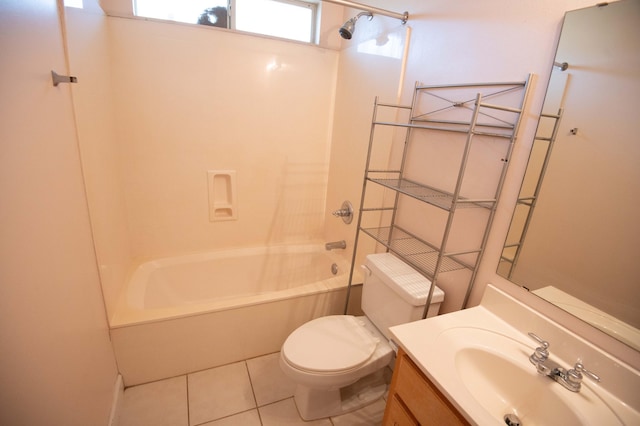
x=394 y=293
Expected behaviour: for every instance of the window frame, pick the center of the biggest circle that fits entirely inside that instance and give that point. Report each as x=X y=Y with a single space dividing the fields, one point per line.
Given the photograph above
x=312 y=5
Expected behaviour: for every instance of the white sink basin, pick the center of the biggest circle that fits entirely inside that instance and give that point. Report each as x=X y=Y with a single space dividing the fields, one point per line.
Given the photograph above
x=495 y=370
x=503 y=387
x=481 y=364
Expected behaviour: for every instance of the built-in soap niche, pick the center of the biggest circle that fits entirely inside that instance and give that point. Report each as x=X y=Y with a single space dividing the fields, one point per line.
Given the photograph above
x=222 y=195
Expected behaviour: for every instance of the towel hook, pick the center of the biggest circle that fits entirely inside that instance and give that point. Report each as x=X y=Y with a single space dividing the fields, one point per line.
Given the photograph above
x=57 y=78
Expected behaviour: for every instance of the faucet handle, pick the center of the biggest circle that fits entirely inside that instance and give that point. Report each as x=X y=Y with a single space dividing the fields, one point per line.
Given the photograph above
x=540 y=340
x=578 y=370
x=345 y=212
x=574 y=376
x=541 y=353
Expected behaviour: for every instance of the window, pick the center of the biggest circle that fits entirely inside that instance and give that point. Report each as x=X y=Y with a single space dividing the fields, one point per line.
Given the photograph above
x=73 y=3
x=291 y=19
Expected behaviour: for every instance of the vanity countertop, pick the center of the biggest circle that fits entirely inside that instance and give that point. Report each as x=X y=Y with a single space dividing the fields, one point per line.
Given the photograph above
x=459 y=353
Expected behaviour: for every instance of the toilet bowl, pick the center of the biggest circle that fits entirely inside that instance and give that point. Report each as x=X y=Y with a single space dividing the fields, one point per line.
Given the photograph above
x=338 y=362
x=335 y=351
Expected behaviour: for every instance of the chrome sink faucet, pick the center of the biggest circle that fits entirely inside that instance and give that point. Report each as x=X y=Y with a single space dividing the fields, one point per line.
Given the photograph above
x=570 y=379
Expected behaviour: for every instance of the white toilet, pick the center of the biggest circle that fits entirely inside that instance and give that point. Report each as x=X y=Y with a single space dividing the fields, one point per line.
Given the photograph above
x=338 y=362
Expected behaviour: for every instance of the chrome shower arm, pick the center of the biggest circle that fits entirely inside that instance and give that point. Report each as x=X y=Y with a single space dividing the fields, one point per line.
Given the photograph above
x=404 y=17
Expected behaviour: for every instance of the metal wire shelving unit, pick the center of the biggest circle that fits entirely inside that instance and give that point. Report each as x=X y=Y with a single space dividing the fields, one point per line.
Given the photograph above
x=434 y=110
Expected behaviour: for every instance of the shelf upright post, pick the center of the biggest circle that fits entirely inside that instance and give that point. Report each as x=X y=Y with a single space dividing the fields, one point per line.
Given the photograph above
x=407 y=139
x=360 y=211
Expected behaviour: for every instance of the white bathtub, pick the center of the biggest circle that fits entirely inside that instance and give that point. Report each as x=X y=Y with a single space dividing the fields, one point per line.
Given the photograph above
x=192 y=312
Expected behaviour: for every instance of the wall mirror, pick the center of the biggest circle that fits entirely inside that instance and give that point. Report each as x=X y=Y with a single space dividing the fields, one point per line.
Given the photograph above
x=574 y=238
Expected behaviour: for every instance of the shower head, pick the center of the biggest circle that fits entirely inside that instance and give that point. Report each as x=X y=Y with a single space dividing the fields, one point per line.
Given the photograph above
x=346 y=31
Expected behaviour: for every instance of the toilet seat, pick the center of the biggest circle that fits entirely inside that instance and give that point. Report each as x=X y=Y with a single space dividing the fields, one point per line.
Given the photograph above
x=330 y=344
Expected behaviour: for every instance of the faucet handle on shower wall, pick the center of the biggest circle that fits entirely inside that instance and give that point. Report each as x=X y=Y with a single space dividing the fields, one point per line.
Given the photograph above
x=346 y=212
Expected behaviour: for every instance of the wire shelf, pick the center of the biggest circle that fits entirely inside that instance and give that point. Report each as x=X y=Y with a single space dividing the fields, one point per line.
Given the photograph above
x=418 y=253
x=430 y=195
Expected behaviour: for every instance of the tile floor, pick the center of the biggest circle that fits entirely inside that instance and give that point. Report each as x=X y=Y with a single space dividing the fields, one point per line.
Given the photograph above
x=254 y=392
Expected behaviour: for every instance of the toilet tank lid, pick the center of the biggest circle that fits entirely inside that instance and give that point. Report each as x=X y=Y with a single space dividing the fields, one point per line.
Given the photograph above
x=412 y=286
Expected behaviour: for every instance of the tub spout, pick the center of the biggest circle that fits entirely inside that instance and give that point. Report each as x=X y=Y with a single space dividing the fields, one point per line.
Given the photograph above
x=336 y=245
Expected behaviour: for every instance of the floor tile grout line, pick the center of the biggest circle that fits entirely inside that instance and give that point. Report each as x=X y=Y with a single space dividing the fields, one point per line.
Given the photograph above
x=253 y=391
x=277 y=401
x=186 y=376
x=226 y=417
x=198 y=371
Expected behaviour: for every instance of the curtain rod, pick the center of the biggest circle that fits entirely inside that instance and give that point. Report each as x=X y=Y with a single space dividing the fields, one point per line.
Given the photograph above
x=401 y=16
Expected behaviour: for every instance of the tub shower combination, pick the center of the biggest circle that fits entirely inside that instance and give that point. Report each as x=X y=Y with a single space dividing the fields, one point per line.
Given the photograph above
x=193 y=312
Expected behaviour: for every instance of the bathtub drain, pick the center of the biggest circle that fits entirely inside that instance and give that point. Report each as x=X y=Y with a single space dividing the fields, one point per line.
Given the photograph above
x=334 y=268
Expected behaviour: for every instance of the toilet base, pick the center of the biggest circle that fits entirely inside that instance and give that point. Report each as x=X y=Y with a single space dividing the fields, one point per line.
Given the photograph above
x=319 y=403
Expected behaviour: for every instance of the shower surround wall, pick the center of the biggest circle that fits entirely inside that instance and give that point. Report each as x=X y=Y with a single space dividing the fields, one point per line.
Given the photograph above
x=192 y=99
x=186 y=100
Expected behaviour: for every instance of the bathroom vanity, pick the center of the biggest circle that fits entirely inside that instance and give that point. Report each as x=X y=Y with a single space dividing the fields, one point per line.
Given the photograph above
x=474 y=367
x=414 y=400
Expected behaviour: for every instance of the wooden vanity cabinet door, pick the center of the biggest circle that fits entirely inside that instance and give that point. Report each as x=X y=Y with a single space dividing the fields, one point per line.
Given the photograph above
x=395 y=414
x=421 y=398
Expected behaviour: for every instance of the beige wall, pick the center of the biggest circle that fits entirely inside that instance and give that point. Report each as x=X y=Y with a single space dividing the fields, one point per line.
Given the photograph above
x=448 y=43
x=489 y=41
x=57 y=365
x=89 y=57
x=460 y=42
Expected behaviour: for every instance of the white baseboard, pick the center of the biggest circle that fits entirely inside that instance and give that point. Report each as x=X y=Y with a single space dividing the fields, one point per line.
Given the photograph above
x=118 y=397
